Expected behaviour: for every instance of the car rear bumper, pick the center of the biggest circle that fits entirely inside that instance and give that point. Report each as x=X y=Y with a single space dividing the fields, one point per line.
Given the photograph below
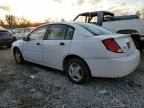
x=114 y=67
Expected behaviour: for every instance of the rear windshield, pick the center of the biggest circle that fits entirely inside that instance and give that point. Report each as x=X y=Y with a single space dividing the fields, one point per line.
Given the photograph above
x=94 y=29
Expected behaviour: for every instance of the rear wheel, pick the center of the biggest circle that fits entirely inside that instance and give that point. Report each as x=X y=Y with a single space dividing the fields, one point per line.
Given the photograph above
x=18 y=56
x=77 y=71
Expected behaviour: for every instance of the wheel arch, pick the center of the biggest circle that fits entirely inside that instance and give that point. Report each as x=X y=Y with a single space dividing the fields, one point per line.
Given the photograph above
x=16 y=47
x=68 y=57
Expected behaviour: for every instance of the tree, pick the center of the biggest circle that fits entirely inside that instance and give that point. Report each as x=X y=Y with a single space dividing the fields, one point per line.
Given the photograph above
x=1 y=23
x=24 y=22
x=11 y=20
x=48 y=20
x=62 y=20
x=142 y=13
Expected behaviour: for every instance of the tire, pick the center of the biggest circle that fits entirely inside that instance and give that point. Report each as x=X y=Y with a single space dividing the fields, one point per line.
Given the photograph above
x=77 y=71
x=8 y=46
x=18 y=56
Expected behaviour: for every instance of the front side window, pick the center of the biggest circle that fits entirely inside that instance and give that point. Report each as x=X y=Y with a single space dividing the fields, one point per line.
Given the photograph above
x=57 y=32
x=69 y=34
x=94 y=29
x=38 y=34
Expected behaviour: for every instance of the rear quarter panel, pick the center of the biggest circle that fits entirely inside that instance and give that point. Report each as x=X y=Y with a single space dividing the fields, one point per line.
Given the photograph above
x=88 y=48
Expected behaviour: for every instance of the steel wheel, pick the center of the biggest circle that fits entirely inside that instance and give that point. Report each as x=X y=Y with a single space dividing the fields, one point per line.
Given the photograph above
x=77 y=71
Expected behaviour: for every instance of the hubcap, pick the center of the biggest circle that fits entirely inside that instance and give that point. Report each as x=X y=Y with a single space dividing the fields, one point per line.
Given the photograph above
x=75 y=72
x=17 y=56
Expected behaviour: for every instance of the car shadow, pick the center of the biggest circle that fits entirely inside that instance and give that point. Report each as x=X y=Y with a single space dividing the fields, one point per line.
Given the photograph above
x=55 y=71
x=30 y=64
x=127 y=80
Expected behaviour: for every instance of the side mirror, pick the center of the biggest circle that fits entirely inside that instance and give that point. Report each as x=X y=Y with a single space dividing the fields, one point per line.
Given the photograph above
x=26 y=38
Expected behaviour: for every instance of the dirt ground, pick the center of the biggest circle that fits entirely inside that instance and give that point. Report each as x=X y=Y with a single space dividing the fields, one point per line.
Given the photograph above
x=34 y=86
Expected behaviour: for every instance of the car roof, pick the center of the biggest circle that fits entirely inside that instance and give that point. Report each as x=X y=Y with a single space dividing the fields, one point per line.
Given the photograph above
x=65 y=23
x=94 y=13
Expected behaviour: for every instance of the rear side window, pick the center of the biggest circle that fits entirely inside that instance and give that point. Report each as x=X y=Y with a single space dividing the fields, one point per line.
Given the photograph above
x=60 y=32
x=94 y=29
x=69 y=34
x=57 y=32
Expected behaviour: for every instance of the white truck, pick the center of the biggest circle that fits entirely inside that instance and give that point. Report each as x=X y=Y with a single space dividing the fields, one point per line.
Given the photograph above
x=130 y=24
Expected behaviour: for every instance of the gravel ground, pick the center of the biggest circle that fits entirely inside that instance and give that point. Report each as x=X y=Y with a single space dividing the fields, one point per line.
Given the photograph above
x=34 y=86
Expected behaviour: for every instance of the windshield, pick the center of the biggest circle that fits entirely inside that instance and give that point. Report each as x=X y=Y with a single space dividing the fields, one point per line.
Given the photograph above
x=94 y=29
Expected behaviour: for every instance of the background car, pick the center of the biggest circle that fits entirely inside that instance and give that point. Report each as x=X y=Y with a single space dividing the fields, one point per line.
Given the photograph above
x=83 y=50
x=6 y=38
x=19 y=33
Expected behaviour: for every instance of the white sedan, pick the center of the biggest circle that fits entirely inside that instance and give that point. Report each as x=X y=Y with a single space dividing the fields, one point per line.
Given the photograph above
x=83 y=50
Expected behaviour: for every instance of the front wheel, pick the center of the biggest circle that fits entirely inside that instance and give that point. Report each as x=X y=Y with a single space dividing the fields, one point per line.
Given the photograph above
x=18 y=56
x=9 y=46
x=77 y=71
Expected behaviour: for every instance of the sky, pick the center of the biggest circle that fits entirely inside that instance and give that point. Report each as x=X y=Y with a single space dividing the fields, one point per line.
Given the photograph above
x=39 y=10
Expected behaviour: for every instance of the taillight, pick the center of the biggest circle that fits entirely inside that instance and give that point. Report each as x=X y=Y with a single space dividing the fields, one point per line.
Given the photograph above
x=112 y=45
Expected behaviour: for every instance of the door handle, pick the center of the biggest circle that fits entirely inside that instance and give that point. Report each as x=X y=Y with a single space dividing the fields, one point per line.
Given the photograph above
x=38 y=43
x=62 y=43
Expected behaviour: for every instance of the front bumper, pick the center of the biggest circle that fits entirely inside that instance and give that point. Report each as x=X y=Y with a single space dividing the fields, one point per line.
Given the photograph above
x=6 y=42
x=114 y=67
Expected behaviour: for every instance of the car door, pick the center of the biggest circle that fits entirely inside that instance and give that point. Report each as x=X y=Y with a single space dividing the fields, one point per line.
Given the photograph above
x=33 y=46
x=57 y=44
